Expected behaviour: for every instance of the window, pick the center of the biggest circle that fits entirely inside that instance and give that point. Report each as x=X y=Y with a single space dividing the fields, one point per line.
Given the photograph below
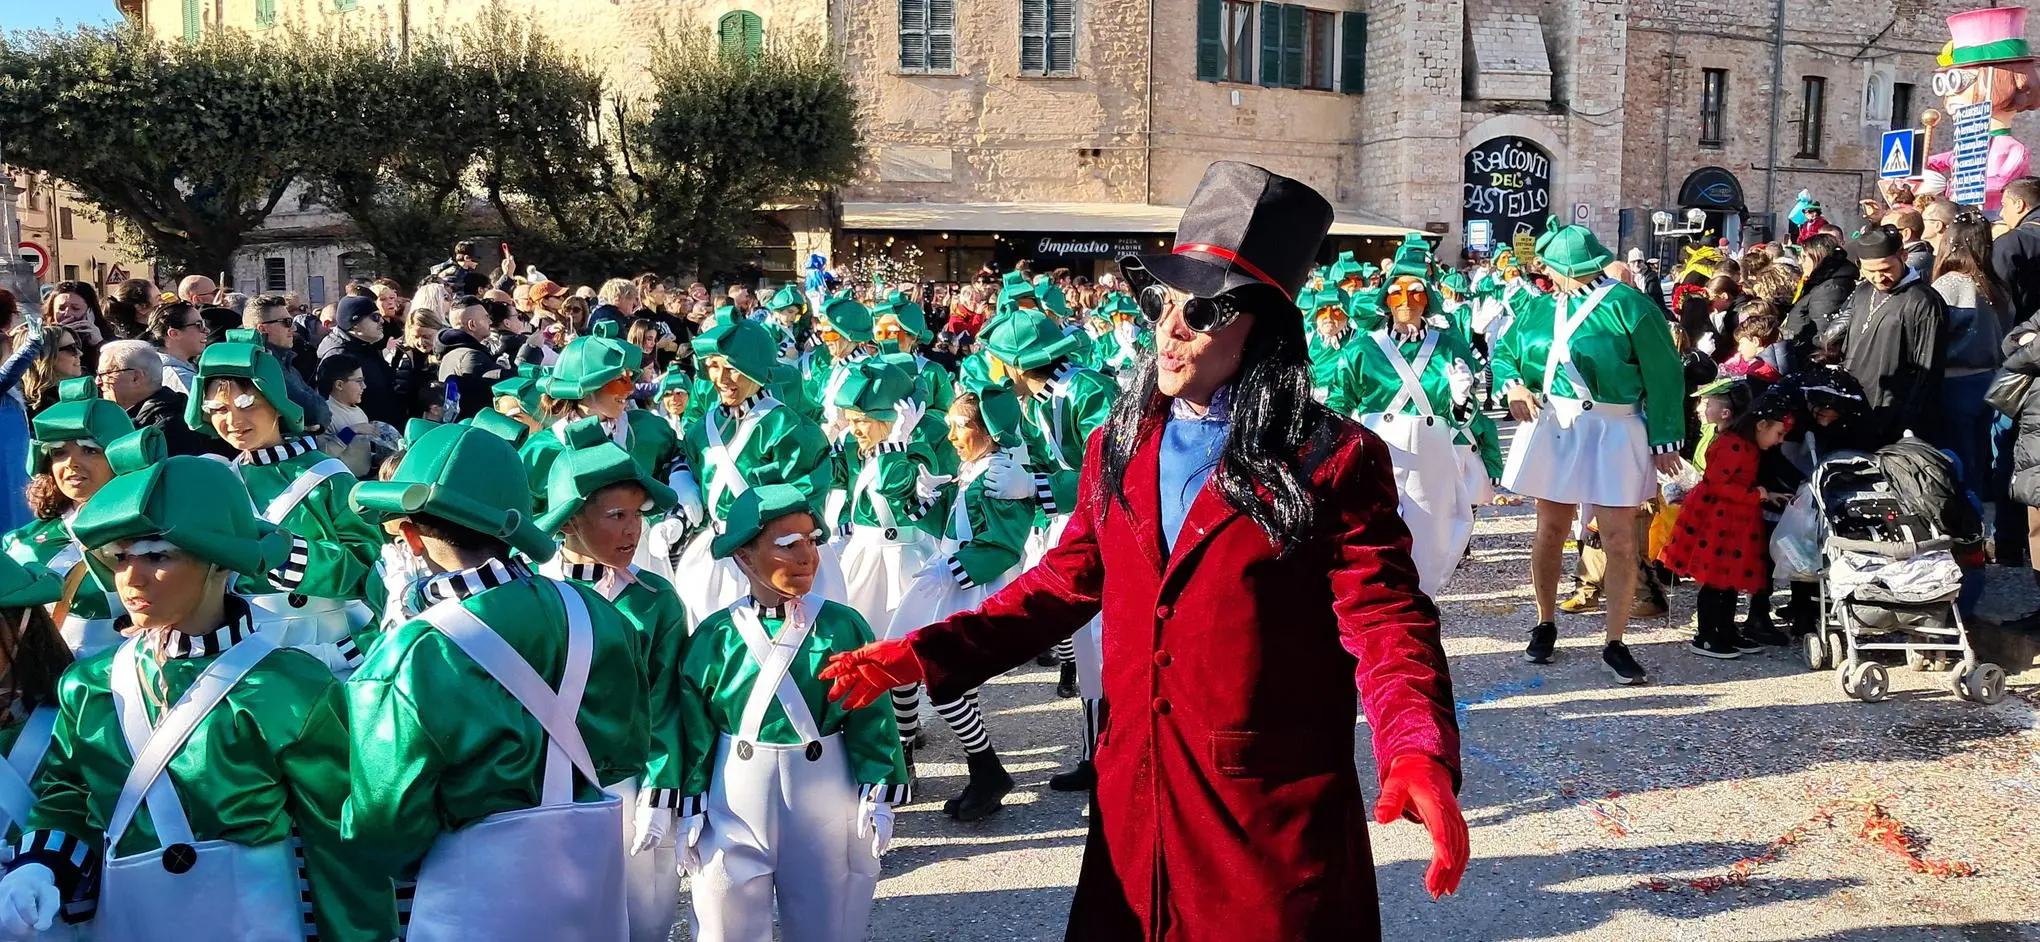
x=70 y=273
x=1812 y=115
x=927 y=35
x=1713 y=87
x=1321 y=43
x=64 y=224
x=272 y=274
x=1353 y=54
x=740 y=32
x=1225 y=40
x=345 y=5
x=1901 y=105
x=192 y=23
x=1048 y=37
x=265 y=12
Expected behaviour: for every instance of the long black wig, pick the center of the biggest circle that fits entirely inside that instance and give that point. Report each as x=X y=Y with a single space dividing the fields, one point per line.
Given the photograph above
x=1279 y=434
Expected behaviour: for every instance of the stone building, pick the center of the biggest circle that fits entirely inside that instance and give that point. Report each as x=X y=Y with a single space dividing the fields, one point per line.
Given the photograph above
x=75 y=242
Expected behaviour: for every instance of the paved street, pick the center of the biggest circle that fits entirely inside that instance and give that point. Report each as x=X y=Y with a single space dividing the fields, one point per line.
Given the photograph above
x=1743 y=800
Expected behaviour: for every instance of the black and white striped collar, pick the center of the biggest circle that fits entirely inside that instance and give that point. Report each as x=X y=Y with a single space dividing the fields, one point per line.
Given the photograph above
x=1589 y=287
x=583 y=572
x=774 y=612
x=744 y=408
x=277 y=454
x=1054 y=385
x=177 y=645
x=1406 y=333
x=471 y=582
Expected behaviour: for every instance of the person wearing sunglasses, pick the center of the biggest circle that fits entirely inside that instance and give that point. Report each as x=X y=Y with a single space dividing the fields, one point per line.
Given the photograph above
x=1593 y=374
x=1415 y=389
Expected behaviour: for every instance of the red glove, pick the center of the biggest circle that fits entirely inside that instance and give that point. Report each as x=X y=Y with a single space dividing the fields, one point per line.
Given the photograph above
x=1420 y=788
x=870 y=672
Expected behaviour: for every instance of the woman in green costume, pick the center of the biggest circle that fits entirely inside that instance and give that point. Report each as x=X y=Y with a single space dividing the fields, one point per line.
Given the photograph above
x=598 y=502
x=319 y=599
x=196 y=772
x=68 y=461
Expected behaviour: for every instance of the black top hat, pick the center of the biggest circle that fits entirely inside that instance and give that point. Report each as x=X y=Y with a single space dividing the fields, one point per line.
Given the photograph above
x=1244 y=226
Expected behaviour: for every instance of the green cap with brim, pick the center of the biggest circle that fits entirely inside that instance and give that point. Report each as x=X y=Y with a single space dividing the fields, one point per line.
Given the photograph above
x=675 y=379
x=76 y=389
x=524 y=389
x=999 y=407
x=26 y=586
x=418 y=428
x=1328 y=296
x=1572 y=251
x=588 y=364
x=849 y=318
x=787 y=296
x=756 y=508
x=1028 y=340
x=1346 y=266
x=912 y=318
x=1013 y=288
x=744 y=345
x=1052 y=298
x=502 y=426
x=457 y=473
x=1412 y=259
x=875 y=386
x=1114 y=305
x=100 y=421
x=196 y=504
x=1719 y=387
x=1455 y=282
x=245 y=361
x=578 y=474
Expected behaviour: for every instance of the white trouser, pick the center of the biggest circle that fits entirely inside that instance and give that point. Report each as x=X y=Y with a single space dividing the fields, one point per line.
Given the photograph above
x=780 y=825
x=1430 y=482
x=878 y=572
x=651 y=878
x=1090 y=655
x=232 y=893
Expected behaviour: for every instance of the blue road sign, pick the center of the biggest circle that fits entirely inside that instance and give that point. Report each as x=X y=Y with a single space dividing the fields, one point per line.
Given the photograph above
x=1901 y=152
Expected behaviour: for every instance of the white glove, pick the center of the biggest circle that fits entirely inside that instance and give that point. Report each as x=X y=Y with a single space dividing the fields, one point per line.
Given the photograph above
x=689 y=490
x=1439 y=321
x=1007 y=480
x=690 y=843
x=910 y=413
x=927 y=486
x=1705 y=344
x=1460 y=377
x=874 y=822
x=29 y=901
x=650 y=826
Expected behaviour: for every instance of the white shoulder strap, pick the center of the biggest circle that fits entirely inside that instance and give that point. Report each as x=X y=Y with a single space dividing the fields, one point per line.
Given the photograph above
x=16 y=798
x=153 y=749
x=1411 y=373
x=556 y=712
x=775 y=658
x=723 y=457
x=1559 y=357
x=301 y=488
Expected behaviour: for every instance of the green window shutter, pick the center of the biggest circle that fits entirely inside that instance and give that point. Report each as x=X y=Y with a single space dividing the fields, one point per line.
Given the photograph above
x=1353 y=55
x=913 y=35
x=1295 y=20
x=1210 y=45
x=941 y=35
x=1062 y=37
x=345 y=5
x=265 y=12
x=740 y=33
x=1033 y=36
x=191 y=21
x=1271 y=44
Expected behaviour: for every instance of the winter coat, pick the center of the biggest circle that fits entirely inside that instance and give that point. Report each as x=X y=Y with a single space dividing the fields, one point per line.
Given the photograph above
x=317 y=414
x=2022 y=357
x=1817 y=316
x=164 y=409
x=1720 y=537
x=380 y=397
x=1975 y=331
x=415 y=378
x=2016 y=258
x=1897 y=347
x=467 y=365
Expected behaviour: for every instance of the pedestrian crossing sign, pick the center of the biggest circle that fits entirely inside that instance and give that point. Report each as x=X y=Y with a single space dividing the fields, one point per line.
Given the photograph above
x=1901 y=155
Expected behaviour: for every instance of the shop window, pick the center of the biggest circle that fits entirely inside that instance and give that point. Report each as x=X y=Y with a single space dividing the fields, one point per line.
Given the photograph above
x=1048 y=37
x=927 y=35
x=740 y=32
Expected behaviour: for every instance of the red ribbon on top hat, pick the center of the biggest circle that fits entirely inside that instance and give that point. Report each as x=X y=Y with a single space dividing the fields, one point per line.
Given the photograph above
x=1234 y=259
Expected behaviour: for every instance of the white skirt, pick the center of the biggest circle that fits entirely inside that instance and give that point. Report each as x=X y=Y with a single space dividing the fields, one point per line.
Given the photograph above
x=1430 y=484
x=878 y=572
x=1088 y=641
x=935 y=595
x=1473 y=475
x=1589 y=453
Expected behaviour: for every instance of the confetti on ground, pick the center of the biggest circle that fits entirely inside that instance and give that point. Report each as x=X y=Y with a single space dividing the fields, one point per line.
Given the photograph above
x=1878 y=828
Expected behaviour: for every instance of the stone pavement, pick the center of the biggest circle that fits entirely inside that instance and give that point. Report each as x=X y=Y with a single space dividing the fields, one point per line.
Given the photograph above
x=1739 y=800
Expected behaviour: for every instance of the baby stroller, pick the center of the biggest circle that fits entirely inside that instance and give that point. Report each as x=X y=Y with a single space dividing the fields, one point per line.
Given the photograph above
x=1890 y=579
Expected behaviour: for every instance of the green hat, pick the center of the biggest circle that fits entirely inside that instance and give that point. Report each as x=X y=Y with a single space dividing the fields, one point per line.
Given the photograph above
x=1572 y=251
x=747 y=346
x=1026 y=340
x=76 y=388
x=675 y=377
x=457 y=474
x=1412 y=259
x=725 y=311
x=97 y=420
x=787 y=296
x=1117 y=303
x=23 y=586
x=1015 y=287
x=235 y=359
x=191 y=503
x=875 y=386
x=999 y=407
x=418 y=428
x=1052 y=298
x=590 y=363
x=1345 y=266
x=911 y=317
x=496 y=423
x=1719 y=387
x=755 y=508
x=524 y=389
x=1330 y=295
x=1456 y=283
x=578 y=474
x=847 y=317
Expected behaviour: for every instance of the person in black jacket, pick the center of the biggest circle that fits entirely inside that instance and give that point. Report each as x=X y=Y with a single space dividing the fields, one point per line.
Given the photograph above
x=1813 y=324
x=2015 y=255
x=1896 y=339
x=130 y=375
x=467 y=368
x=358 y=332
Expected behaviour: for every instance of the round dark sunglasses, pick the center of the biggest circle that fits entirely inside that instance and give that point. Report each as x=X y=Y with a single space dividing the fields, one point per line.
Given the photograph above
x=1203 y=315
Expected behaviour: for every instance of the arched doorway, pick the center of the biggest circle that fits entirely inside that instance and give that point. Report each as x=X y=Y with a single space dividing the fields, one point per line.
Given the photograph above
x=1507 y=187
x=1716 y=192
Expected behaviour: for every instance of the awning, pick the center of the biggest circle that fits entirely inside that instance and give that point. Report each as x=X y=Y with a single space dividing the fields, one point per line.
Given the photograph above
x=1062 y=217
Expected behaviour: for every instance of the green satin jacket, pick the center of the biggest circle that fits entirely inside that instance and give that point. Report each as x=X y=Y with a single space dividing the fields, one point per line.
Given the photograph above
x=440 y=744
x=998 y=528
x=717 y=685
x=650 y=606
x=786 y=448
x=1086 y=402
x=1623 y=350
x=647 y=438
x=898 y=466
x=1334 y=376
x=48 y=543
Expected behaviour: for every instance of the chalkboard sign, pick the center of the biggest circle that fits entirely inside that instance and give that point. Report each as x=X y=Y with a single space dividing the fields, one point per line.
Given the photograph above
x=1508 y=183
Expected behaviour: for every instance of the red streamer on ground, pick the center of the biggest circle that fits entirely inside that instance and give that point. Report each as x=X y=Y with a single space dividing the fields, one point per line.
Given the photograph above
x=1878 y=828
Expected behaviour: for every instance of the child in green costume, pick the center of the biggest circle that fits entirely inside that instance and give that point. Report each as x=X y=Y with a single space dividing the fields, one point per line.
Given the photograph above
x=68 y=461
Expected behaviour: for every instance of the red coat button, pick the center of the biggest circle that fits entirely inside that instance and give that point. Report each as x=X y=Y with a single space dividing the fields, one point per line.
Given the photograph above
x=1163 y=611
x=1161 y=704
x=1162 y=659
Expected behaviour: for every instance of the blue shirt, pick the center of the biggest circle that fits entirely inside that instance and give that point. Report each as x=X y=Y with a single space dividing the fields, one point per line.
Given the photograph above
x=1191 y=444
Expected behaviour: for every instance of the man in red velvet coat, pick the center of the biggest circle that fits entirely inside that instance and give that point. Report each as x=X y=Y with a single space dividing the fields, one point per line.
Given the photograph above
x=1244 y=546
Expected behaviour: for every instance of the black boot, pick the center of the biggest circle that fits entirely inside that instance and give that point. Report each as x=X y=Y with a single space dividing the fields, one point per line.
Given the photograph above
x=984 y=794
x=1083 y=778
x=1066 y=685
x=1046 y=658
